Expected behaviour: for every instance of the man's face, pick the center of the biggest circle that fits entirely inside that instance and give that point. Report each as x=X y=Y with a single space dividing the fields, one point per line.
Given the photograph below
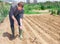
x=20 y=8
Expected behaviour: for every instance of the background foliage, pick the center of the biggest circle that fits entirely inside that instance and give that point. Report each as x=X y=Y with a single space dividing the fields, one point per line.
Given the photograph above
x=53 y=7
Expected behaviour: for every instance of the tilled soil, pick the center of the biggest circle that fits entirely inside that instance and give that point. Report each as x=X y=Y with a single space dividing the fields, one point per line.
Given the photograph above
x=37 y=29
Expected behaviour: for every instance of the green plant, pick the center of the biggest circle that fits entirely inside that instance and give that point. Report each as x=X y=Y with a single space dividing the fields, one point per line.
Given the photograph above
x=4 y=10
x=58 y=12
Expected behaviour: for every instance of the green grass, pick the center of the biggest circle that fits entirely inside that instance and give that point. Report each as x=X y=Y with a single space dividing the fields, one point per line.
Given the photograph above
x=31 y=12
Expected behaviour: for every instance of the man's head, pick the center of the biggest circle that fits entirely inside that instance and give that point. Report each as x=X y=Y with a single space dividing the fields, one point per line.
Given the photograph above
x=20 y=5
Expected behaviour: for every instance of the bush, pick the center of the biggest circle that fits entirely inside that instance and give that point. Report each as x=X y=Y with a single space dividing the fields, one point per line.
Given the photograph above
x=4 y=10
x=58 y=12
x=55 y=12
x=42 y=7
x=52 y=12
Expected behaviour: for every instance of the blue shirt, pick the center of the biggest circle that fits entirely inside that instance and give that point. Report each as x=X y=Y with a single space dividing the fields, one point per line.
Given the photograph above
x=14 y=11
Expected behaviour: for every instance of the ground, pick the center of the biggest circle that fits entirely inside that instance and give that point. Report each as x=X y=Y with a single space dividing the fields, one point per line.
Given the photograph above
x=37 y=29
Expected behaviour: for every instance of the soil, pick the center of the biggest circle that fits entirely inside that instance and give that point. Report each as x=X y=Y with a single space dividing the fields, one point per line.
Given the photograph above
x=37 y=29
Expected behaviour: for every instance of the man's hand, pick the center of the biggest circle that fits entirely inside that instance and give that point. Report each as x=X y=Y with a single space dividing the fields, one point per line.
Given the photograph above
x=21 y=27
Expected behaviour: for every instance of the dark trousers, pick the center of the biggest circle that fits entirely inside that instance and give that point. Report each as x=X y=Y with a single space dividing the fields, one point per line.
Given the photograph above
x=12 y=23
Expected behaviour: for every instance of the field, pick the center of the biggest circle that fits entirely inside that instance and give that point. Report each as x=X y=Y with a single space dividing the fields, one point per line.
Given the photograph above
x=37 y=29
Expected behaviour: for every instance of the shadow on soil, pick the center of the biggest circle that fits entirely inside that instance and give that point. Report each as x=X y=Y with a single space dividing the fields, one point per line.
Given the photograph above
x=6 y=34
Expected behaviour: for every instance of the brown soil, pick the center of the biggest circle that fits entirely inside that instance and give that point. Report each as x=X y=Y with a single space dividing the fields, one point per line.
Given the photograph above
x=37 y=29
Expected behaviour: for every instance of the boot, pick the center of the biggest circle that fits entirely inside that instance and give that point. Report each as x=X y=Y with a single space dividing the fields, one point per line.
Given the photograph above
x=12 y=29
x=20 y=33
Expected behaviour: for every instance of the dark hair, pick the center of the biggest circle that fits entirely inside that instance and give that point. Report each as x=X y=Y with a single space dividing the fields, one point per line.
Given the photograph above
x=21 y=4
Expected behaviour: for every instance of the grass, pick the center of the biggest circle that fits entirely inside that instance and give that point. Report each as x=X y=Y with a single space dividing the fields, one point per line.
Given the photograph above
x=31 y=12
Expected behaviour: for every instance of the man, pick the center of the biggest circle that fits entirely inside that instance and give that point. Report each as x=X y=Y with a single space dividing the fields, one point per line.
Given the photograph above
x=16 y=16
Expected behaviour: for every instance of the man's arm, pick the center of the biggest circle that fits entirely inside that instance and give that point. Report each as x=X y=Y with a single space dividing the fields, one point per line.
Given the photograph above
x=12 y=15
x=21 y=17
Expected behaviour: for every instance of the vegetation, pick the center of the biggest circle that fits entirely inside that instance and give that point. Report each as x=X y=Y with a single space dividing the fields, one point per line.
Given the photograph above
x=53 y=7
x=4 y=10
